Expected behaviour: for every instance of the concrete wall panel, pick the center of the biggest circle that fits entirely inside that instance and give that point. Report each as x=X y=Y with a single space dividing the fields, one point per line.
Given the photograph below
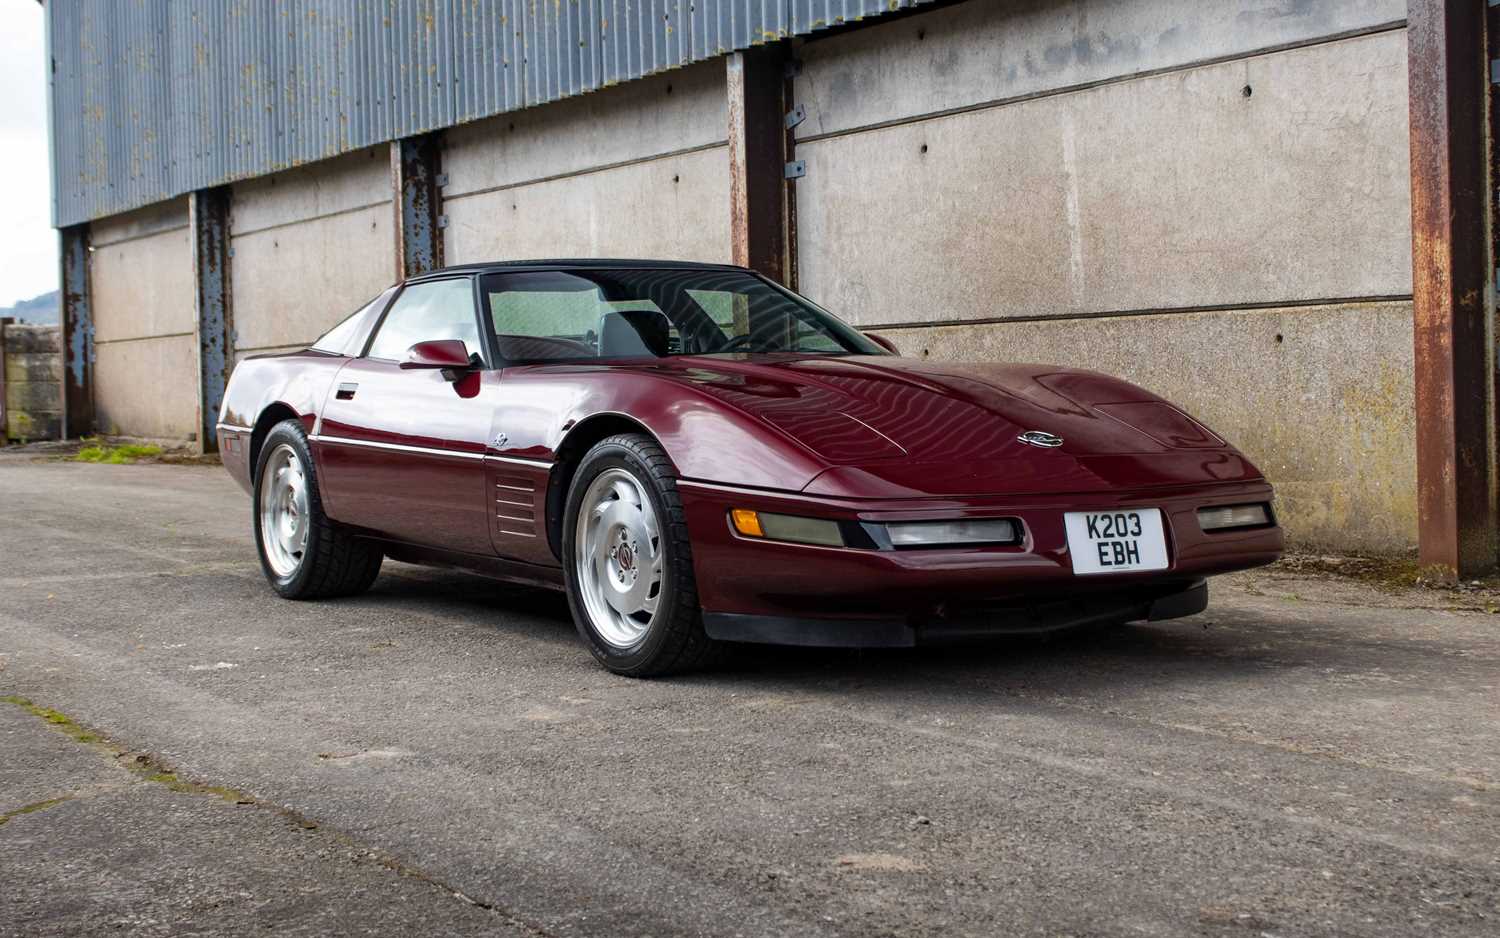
x=292 y=283
x=674 y=208
x=153 y=219
x=141 y=277
x=676 y=111
x=1172 y=191
x=987 y=51
x=310 y=247
x=1319 y=397
x=339 y=185
x=148 y=388
x=143 y=287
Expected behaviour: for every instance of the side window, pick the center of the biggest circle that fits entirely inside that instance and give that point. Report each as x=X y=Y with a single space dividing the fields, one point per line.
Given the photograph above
x=441 y=309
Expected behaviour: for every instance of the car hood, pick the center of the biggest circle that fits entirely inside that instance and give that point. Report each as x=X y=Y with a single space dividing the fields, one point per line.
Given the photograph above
x=897 y=426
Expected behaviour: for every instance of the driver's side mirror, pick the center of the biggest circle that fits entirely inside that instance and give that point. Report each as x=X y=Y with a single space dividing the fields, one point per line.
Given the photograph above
x=450 y=355
x=883 y=342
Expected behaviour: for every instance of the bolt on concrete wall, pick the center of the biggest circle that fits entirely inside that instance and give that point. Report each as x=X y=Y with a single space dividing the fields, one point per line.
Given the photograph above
x=30 y=382
x=1024 y=182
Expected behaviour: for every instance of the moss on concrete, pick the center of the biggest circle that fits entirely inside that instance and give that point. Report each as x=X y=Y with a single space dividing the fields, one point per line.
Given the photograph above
x=34 y=806
x=116 y=455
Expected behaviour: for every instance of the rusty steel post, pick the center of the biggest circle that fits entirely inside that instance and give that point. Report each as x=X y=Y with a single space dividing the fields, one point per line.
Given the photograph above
x=208 y=218
x=1452 y=285
x=756 y=84
x=77 y=334
x=415 y=172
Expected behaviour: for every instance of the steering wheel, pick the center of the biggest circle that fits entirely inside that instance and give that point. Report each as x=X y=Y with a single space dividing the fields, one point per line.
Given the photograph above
x=735 y=344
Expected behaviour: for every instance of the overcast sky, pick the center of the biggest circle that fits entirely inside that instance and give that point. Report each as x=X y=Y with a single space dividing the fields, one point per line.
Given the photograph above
x=28 y=245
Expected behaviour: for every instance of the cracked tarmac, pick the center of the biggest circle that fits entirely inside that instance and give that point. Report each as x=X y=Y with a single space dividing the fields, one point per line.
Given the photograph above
x=1310 y=757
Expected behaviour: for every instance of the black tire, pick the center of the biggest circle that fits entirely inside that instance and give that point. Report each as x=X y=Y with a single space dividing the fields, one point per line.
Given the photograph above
x=334 y=562
x=674 y=641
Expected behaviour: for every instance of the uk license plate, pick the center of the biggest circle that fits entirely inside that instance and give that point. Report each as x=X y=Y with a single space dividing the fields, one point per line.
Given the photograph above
x=1116 y=541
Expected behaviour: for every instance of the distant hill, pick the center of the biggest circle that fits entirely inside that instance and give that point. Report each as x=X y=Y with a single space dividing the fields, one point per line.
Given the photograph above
x=39 y=310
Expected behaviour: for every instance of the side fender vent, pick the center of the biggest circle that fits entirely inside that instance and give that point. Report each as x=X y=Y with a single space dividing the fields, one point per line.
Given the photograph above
x=515 y=504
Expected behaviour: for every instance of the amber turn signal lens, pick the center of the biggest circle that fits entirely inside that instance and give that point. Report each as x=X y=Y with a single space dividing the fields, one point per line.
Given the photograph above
x=747 y=522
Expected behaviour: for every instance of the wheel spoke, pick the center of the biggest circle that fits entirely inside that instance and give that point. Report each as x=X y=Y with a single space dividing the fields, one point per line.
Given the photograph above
x=619 y=557
x=285 y=510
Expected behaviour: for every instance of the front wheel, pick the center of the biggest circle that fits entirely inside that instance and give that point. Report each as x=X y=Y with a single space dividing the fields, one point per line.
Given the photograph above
x=303 y=554
x=629 y=563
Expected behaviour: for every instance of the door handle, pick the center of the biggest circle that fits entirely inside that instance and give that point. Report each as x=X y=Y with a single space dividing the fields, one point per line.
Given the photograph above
x=346 y=391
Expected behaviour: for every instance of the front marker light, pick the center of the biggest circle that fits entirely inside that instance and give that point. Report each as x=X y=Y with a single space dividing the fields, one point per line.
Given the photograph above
x=1234 y=516
x=936 y=533
x=747 y=522
x=771 y=527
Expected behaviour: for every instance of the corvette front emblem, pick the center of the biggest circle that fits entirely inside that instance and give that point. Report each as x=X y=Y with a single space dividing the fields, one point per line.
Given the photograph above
x=1041 y=438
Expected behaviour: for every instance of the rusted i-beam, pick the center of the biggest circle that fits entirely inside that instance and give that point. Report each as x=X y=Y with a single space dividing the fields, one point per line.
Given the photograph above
x=1452 y=284
x=758 y=194
x=208 y=216
x=415 y=172
x=75 y=311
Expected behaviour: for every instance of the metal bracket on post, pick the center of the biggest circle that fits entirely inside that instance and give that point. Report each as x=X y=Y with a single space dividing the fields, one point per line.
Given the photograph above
x=795 y=116
x=796 y=169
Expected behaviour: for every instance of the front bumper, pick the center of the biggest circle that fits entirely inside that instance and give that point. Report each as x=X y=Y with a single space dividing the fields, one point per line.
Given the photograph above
x=951 y=624
x=925 y=588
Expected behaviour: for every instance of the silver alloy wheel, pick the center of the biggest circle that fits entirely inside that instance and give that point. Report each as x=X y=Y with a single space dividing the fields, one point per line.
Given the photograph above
x=283 y=510
x=617 y=557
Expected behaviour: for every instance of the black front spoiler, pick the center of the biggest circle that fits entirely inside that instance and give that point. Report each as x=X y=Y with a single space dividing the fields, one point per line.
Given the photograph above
x=976 y=622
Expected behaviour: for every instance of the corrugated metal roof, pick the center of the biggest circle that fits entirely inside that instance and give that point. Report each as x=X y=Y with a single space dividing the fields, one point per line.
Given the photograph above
x=154 y=98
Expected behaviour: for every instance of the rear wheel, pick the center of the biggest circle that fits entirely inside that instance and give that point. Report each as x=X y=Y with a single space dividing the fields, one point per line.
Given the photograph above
x=304 y=555
x=629 y=563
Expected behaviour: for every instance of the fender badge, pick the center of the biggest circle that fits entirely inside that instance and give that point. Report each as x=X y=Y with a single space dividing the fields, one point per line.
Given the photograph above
x=1041 y=438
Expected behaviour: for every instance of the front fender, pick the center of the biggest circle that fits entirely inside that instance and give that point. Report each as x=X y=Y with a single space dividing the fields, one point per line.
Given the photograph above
x=706 y=438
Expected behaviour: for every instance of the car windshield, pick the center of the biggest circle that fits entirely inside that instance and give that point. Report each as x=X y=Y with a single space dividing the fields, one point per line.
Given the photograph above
x=542 y=316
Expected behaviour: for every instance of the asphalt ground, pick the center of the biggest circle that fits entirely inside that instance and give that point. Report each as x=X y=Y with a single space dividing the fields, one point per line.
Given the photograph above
x=181 y=752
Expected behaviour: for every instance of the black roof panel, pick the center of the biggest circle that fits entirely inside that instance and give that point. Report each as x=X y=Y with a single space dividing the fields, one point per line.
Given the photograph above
x=599 y=263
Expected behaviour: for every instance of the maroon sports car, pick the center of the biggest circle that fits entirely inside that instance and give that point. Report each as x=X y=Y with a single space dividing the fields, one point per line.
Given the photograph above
x=699 y=456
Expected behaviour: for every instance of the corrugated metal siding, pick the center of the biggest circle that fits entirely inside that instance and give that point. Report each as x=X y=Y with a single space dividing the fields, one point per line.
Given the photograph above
x=152 y=99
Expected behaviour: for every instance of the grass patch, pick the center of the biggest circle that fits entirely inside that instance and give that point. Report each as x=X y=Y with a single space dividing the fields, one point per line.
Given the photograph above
x=116 y=455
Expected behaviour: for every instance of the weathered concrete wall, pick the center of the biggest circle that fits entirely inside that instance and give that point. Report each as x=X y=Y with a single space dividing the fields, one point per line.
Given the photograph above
x=311 y=246
x=1072 y=161
x=141 y=277
x=1330 y=426
x=31 y=362
x=640 y=170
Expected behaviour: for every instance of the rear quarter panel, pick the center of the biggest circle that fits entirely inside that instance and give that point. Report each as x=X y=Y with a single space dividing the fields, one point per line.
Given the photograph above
x=263 y=387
